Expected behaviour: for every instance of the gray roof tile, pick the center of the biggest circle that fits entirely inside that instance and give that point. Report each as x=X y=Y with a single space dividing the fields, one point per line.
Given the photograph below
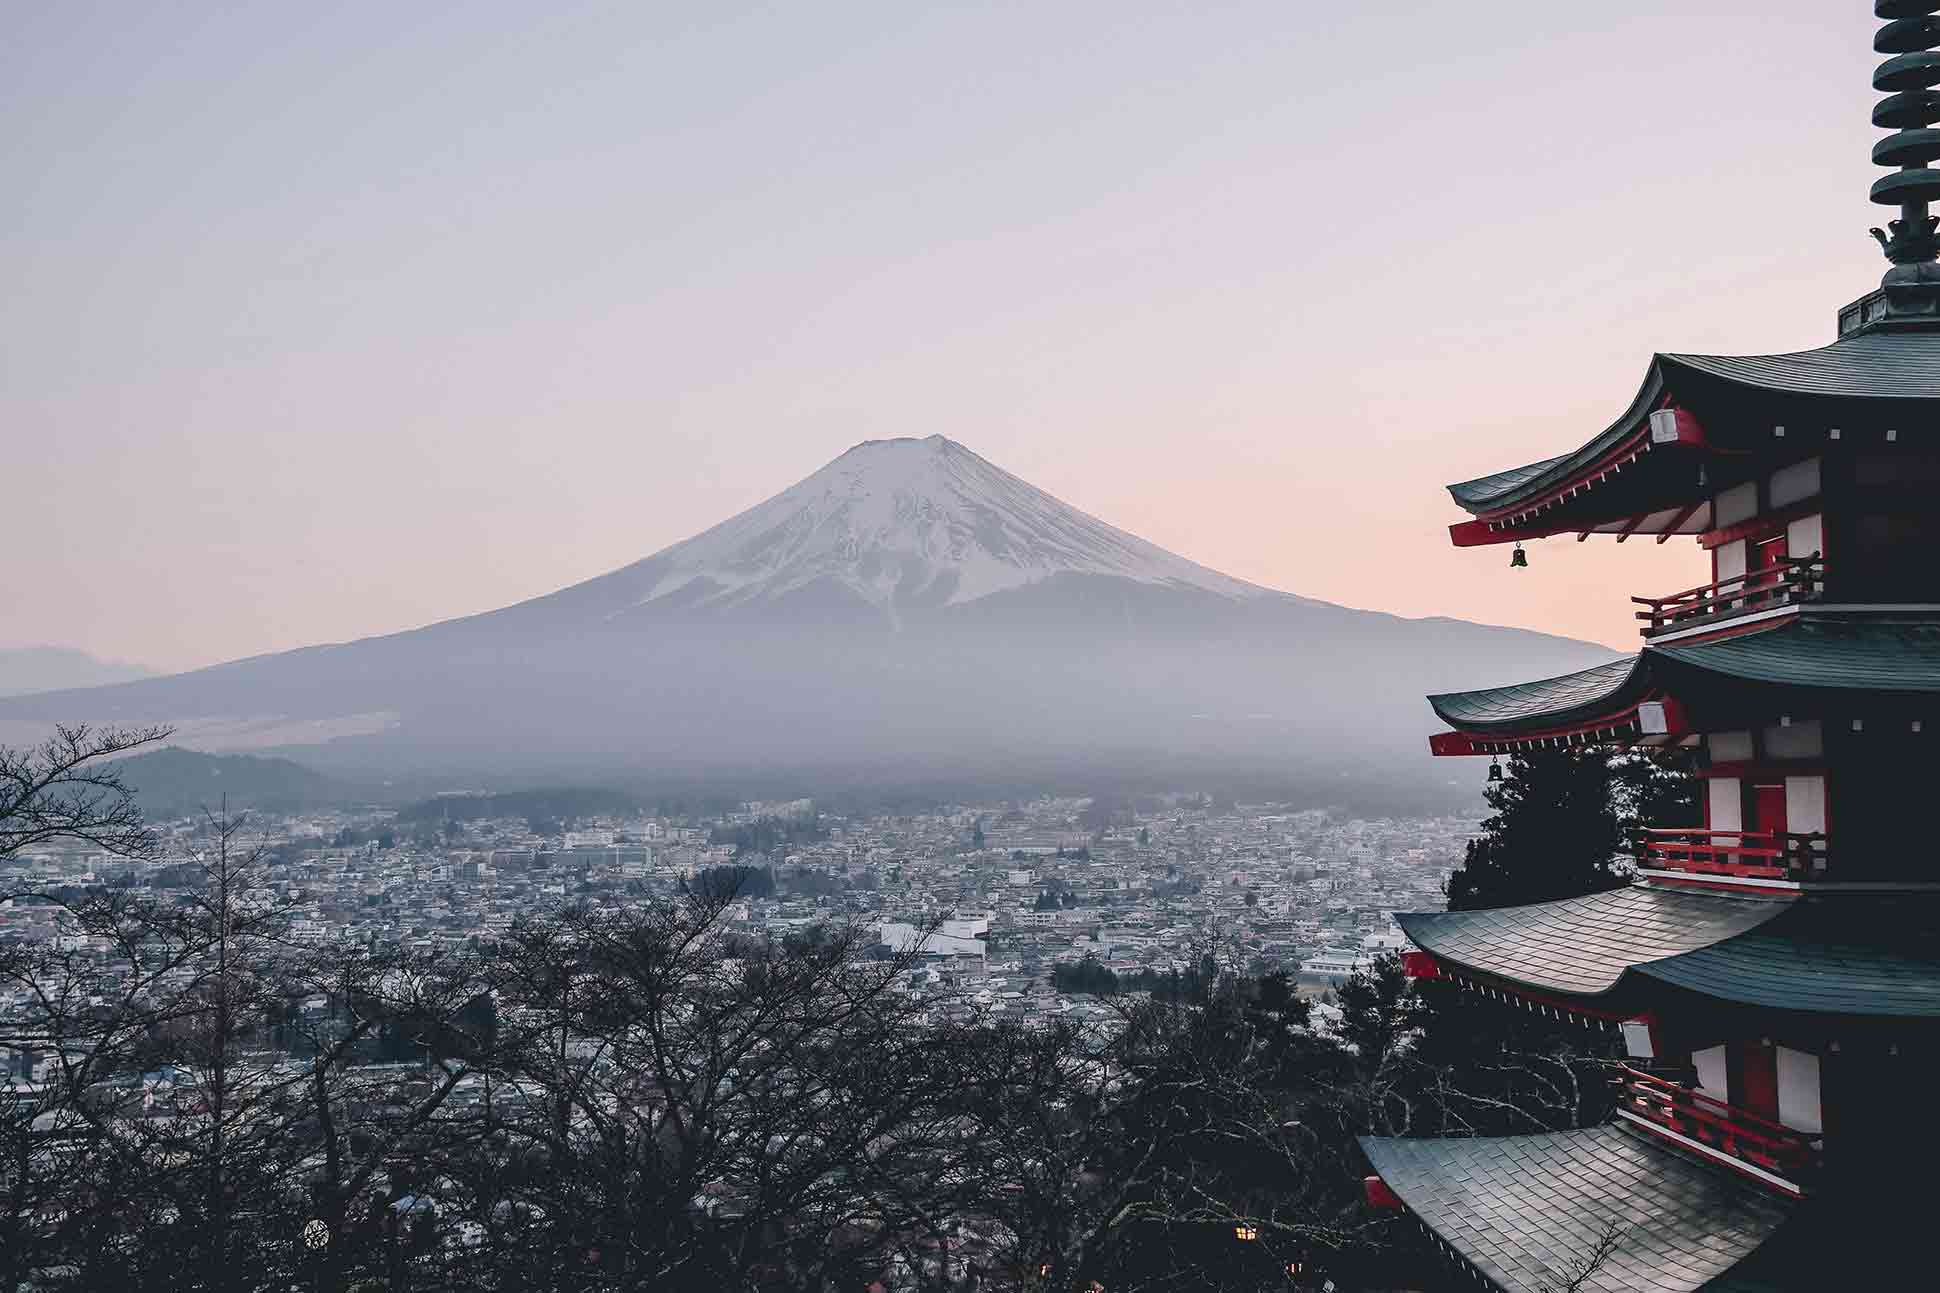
x=1582 y=946
x=1550 y=700
x=1870 y=654
x=1881 y=655
x=1682 y=1223
x=1841 y=954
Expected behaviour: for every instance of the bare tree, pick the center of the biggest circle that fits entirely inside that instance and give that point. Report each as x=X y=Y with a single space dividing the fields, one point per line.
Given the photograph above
x=686 y=1106
x=1159 y=1150
x=197 y=1112
x=650 y=1096
x=67 y=787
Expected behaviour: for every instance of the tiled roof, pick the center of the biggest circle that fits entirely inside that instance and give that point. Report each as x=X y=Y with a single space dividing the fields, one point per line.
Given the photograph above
x=1522 y=1209
x=1883 y=654
x=1586 y=692
x=1498 y=489
x=1880 y=365
x=1843 y=954
x=1875 y=366
x=1484 y=489
x=1873 y=654
x=1583 y=946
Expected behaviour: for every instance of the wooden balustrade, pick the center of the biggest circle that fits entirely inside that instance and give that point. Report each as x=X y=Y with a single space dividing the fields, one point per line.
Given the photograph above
x=1793 y=579
x=1750 y=855
x=1732 y=1131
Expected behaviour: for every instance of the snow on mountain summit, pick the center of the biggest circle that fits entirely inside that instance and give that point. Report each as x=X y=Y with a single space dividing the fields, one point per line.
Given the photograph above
x=913 y=522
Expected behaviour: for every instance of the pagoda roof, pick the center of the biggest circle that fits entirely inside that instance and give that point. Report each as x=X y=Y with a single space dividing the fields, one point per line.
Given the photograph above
x=1877 y=655
x=1872 y=366
x=1523 y=1210
x=1823 y=651
x=1616 y=483
x=1840 y=954
x=1584 y=946
x=1547 y=702
x=1860 y=953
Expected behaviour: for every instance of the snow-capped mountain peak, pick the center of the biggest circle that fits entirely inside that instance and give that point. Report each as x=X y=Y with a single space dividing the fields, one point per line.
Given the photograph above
x=911 y=522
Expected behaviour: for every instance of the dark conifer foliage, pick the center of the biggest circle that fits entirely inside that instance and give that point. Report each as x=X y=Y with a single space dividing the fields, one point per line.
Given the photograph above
x=1565 y=824
x=1558 y=831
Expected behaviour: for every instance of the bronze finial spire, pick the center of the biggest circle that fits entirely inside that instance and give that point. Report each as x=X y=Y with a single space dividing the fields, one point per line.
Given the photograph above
x=1909 y=295
x=1910 y=109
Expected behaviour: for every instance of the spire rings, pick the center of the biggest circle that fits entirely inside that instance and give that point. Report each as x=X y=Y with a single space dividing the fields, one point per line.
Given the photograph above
x=1906 y=35
x=1909 y=108
x=1910 y=35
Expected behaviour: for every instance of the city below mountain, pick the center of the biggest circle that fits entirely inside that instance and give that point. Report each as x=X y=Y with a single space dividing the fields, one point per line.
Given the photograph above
x=911 y=615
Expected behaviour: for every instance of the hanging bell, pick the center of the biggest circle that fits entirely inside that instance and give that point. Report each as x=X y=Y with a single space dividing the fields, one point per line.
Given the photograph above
x=1518 y=560
x=1495 y=769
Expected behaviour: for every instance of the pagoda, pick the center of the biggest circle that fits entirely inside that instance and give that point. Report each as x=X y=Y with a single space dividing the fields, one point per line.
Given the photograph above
x=1773 y=977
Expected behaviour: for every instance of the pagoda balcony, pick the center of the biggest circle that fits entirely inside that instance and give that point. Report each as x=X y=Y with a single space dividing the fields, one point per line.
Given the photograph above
x=1771 y=1151
x=1739 y=855
x=1793 y=581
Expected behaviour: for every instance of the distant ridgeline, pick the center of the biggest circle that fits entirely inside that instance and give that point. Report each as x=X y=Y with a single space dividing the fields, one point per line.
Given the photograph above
x=565 y=804
x=173 y=782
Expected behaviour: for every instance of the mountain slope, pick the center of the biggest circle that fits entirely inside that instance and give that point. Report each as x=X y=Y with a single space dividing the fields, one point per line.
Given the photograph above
x=908 y=606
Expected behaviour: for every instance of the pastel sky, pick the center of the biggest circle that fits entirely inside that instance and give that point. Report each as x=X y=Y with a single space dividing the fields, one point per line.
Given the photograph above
x=327 y=320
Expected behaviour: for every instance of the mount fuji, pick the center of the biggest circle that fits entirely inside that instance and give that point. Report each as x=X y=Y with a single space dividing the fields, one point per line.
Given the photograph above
x=892 y=535
x=909 y=612
x=911 y=524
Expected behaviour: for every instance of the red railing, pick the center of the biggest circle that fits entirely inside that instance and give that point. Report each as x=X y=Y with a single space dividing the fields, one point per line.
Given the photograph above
x=1737 y=1133
x=1793 y=579
x=1750 y=855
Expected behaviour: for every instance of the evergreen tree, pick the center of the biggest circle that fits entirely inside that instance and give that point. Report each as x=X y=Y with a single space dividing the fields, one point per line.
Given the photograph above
x=1565 y=824
x=1656 y=788
x=1559 y=831
x=1378 y=1014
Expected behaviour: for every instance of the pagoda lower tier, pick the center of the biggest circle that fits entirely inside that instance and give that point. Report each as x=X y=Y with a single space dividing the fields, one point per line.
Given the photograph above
x=1779 y=1049
x=1526 y=1213
x=1529 y=1214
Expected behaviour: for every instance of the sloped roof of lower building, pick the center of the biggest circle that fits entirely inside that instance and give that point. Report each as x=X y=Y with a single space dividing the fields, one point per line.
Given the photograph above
x=1523 y=1210
x=1583 y=946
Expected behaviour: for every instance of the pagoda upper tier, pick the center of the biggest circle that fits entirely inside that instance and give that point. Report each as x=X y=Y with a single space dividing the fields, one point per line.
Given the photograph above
x=1703 y=424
